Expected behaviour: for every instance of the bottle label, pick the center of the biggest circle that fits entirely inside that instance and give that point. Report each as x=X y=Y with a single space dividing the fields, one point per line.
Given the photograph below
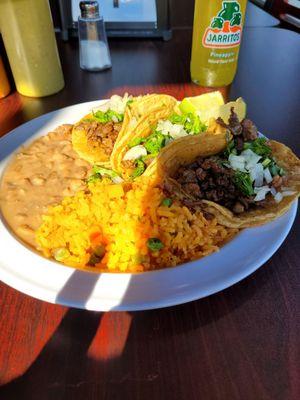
x=225 y=29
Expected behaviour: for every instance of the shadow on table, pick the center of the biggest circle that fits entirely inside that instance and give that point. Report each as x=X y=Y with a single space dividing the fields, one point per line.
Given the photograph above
x=66 y=367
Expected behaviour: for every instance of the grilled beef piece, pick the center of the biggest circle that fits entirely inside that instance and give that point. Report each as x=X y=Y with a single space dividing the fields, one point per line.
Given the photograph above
x=238 y=208
x=239 y=143
x=249 y=130
x=193 y=189
x=242 y=131
x=201 y=174
x=234 y=123
x=188 y=176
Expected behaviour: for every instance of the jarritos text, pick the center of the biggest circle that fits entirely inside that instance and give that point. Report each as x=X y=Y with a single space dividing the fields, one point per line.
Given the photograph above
x=225 y=30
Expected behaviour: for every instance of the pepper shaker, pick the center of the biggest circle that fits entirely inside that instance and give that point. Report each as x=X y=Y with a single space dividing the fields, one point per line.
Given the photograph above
x=93 y=47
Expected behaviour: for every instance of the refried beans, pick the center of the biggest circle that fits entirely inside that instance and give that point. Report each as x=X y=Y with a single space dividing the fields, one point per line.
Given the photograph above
x=38 y=176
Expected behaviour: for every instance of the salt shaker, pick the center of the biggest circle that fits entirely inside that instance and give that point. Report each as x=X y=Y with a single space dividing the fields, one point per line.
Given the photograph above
x=93 y=47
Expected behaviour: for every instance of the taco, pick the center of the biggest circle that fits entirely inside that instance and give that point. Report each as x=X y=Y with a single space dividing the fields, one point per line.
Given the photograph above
x=130 y=155
x=240 y=177
x=169 y=122
x=97 y=133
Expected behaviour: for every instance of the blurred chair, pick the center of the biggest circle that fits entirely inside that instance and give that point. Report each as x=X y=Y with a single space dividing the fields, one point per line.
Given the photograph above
x=287 y=11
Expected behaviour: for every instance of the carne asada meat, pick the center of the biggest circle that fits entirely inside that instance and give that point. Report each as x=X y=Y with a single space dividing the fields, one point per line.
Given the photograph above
x=242 y=131
x=208 y=179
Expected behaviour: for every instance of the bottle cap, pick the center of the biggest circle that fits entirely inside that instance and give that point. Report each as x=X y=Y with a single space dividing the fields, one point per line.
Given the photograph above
x=89 y=9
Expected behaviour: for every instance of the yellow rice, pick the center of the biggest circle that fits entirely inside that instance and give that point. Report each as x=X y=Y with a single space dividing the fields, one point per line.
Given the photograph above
x=127 y=215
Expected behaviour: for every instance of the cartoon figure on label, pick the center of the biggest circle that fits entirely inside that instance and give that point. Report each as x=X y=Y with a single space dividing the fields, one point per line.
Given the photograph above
x=225 y=28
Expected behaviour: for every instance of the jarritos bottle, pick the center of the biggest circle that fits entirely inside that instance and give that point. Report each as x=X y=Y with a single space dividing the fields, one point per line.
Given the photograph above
x=216 y=41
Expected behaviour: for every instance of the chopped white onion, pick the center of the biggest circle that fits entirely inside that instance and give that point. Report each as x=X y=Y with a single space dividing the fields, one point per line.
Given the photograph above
x=117 y=179
x=273 y=191
x=178 y=131
x=237 y=162
x=251 y=158
x=258 y=189
x=278 y=197
x=115 y=103
x=261 y=193
x=267 y=175
x=166 y=127
x=257 y=174
x=135 y=152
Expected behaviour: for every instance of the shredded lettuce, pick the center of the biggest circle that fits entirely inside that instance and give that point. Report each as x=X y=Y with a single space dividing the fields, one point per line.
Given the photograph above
x=98 y=172
x=155 y=142
x=140 y=167
x=107 y=116
x=191 y=122
x=136 y=141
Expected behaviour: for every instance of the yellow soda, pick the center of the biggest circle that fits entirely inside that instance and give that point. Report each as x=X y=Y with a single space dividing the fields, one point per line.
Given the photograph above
x=217 y=37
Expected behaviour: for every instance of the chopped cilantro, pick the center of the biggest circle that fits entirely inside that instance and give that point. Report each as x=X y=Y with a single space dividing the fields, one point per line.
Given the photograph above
x=275 y=169
x=281 y=171
x=259 y=146
x=266 y=162
x=230 y=149
x=154 y=244
x=243 y=182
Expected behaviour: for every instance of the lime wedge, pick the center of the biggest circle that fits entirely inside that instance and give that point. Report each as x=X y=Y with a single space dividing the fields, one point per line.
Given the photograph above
x=239 y=107
x=206 y=105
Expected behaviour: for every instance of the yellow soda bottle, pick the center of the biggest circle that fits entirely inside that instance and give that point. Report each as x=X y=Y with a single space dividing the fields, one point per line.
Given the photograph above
x=217 y=36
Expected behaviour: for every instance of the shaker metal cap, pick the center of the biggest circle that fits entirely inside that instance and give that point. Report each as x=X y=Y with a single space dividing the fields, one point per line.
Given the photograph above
x=89 y=9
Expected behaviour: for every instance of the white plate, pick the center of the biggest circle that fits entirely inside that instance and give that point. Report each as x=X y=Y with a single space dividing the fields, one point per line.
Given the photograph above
x=47 y=280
